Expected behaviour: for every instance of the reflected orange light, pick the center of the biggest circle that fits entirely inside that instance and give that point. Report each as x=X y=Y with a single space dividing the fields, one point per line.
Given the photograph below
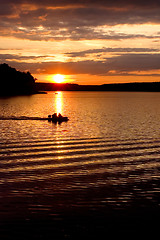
x=58 y=102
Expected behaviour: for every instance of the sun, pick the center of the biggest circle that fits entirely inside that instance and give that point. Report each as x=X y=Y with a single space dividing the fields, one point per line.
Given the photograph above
x=58 y=78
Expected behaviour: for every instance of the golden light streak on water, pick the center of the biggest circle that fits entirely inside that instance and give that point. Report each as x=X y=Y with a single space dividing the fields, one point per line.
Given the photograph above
x=59 y=101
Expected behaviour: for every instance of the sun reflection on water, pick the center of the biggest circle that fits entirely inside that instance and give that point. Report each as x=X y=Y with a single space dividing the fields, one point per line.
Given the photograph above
x=58 y=102
x=59 y=109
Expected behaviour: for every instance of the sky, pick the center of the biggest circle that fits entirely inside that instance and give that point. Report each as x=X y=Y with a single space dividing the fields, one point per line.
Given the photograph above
x=88 y=42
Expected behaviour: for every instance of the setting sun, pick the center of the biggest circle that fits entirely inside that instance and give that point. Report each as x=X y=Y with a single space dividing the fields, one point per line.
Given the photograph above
x=58 y=78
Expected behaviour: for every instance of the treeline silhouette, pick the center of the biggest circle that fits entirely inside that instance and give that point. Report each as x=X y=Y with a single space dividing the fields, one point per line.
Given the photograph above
x=128 y=87
x=13 y=82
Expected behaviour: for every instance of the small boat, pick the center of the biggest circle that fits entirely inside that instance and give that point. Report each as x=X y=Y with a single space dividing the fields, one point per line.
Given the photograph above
x=57 y=118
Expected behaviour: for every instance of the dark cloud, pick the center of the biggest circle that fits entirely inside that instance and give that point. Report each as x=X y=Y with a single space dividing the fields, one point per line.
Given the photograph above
x=11 y=57
x=123 y=65
x=74 y=19
x=39 y=34
x=104 y=3
x=5 y=9
x=110 y=50
x=134 y=62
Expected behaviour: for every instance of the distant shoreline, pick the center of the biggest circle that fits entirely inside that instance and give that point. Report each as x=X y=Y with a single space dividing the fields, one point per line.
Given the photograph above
x=127 y=87
x=43 y=88
x=5 y=95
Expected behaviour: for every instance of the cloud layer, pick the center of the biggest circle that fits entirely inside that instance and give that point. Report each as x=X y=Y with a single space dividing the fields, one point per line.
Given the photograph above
x=60 y=20
x=125 y=64
x=107 y=23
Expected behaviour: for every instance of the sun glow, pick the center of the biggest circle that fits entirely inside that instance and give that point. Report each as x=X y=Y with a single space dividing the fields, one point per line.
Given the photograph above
x=58 y=78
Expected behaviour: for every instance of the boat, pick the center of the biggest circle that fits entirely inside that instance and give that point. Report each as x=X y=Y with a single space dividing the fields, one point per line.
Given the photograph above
x=51 y=118
x=57 y=118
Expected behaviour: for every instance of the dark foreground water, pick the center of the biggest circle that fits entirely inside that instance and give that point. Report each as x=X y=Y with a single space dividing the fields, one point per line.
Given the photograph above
x=96 y=175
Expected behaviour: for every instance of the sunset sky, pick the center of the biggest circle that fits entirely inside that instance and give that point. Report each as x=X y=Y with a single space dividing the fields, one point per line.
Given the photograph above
x=89 y=42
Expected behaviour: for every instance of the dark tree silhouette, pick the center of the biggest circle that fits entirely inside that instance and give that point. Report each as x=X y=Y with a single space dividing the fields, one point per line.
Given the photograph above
x=13 y=82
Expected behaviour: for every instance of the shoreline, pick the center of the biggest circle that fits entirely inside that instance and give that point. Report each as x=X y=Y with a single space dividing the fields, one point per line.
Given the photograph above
x=125 y=87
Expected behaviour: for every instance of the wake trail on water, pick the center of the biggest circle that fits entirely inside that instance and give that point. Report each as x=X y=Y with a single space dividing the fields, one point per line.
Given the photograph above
x=23 y=118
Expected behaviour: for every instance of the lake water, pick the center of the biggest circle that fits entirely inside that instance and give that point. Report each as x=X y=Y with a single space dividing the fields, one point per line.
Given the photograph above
x=102 y=166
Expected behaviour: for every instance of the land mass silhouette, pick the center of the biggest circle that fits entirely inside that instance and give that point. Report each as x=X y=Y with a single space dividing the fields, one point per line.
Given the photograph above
x=128 y=87
x=13 y=82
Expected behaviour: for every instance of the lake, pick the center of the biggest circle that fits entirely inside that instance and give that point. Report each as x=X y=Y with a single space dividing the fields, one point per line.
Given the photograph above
x=97 y=172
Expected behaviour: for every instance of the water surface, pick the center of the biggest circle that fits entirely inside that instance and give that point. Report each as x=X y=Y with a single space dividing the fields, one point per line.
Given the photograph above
x=103 y=162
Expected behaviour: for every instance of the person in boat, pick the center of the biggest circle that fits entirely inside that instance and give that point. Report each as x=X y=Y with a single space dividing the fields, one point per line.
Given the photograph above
x=54 y=116
x=60 y=116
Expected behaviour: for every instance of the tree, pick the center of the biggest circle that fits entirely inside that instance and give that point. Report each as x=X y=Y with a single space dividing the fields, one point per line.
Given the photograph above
x=13 y=82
